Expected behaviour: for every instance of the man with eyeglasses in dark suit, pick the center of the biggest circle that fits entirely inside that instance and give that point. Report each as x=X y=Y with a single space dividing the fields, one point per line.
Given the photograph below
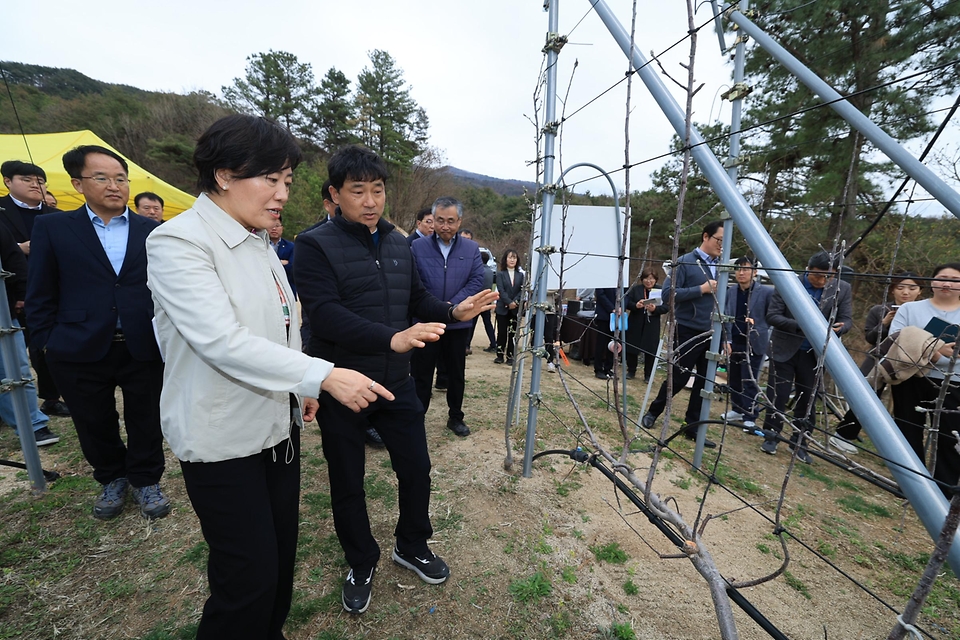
x=91 y=311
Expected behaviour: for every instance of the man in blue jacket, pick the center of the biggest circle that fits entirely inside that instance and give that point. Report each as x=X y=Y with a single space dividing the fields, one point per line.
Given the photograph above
x=450 y=268
x=694 y=284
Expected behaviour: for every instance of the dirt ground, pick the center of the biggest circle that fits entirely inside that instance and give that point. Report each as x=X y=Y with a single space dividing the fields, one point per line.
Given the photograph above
x=528 y=555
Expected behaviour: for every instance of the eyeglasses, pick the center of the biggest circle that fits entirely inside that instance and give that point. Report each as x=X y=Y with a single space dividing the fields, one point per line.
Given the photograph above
x=37 y=180
x=718 y=239
x=104 y=180
x=819 y=274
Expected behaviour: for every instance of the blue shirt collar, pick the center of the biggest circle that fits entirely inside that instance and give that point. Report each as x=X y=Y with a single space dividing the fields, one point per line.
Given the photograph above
x=125 y=215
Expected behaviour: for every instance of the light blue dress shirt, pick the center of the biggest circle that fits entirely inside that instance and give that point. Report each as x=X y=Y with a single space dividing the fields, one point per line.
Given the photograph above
x=114 y=238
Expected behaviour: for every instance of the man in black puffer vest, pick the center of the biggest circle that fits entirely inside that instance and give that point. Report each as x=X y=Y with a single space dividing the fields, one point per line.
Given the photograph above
x=359 y=286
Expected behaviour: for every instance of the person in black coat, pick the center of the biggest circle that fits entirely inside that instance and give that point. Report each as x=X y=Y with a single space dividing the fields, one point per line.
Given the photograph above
x=18 y=211
x=643 y=328
x=509 y=285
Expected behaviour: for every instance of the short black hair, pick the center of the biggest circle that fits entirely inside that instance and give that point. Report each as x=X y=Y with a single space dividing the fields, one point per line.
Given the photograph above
x=485 y=256
x=149 y=195
x=326 y=191
x=12 y=168
x=949 y=265
x=821 y=260
x=467 y=232
x=711 y=228
x=423 y=213
x=76 y=158
x=246 y=146
x=742 y=260
x=357 y=163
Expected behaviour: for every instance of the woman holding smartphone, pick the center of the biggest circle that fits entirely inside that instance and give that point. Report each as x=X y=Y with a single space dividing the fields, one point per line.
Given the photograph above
x=922 y=391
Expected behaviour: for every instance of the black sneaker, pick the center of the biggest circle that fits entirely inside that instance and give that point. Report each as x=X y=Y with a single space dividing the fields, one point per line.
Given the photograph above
x=55 y=408
x=372 y=438
x=458 y=427
x=45 y=437
x=357 y=591
x=430 y=568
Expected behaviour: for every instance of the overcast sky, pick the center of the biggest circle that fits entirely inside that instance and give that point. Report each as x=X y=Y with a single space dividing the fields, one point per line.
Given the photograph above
x=473 y=66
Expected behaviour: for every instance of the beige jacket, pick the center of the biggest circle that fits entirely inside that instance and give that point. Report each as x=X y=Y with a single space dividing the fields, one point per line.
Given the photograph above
x=231 y=363
x=904 y=354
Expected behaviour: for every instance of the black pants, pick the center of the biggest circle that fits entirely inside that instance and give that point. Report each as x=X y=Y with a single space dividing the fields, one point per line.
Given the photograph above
x=400 y=424
x=649 y=362
x=46 y=386
x=451 y=349
x=923 y=392
x=487 y=327
x=800 y=371
x=506 y=333
x=743 y=373
x=88 y=389
x=249 y=512
x=691 y=357
x=602 y=356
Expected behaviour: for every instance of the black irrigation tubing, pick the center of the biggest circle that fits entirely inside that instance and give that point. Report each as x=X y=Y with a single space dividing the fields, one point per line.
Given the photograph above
x=583 y=457
x=749 y=505
x=768 y=407
x=49 y=476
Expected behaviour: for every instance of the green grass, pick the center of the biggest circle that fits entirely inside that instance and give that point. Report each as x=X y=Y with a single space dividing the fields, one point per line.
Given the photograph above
x=196 y=555
x=611 y=553
x=630 y=588
x=619 y=631
x=531 y=590
x=569 y=574
x=864 y=507
x=794 y=583
x=377 y=488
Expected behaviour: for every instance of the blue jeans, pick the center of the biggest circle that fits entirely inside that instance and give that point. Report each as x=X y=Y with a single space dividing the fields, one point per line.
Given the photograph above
x=37 y=418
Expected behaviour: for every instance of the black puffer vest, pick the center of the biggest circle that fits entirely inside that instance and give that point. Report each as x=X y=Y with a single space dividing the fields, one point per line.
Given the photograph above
x=373 y=282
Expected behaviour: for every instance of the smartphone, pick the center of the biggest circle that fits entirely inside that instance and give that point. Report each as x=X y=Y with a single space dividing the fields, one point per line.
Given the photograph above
x=894 y=306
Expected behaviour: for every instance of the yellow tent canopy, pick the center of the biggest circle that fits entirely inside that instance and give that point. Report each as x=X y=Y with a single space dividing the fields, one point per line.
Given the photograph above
x=47 y=150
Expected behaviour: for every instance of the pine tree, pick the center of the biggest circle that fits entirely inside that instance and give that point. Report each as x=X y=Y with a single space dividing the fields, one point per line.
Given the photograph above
x=276 y=85
x=866 y=50
x=333 y=116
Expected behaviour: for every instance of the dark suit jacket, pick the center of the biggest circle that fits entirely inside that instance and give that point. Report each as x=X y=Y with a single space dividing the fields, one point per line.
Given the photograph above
x=507 y=292
x=13 y=260
x=758 y=301
x=787 y=336
x=12 y=219
x=74 y=297
x=285 y=252
x=414 y=236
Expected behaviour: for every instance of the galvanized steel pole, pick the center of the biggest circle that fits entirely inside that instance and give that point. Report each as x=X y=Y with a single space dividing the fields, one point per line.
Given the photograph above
x=924 y=496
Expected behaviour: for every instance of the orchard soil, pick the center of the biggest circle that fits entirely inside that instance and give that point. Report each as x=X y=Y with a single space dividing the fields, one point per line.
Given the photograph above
x=557 y=555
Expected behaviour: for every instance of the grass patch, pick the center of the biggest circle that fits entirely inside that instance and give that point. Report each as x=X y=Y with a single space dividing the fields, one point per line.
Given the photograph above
x=858 y=504
x=794 y=583
x=532 y=589
x=611 y=553
x=569 y=574
x=619 y=631
x=377 y=488
x=630 y=588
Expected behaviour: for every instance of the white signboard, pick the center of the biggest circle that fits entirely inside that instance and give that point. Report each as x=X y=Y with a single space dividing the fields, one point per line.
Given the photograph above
x=590 y=236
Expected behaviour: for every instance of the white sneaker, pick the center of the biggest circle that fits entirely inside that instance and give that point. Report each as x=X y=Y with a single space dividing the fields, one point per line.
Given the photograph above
x=843 y=445
x=551 y=368
x=749 y=426
x=733 y=416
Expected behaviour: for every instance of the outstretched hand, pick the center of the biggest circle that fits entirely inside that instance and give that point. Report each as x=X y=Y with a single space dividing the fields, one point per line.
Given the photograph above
x=417 y=336
x=476 y=304
x=353 y=390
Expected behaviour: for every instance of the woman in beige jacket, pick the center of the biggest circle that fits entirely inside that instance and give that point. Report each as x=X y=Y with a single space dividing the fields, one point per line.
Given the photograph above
x=236 y=386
